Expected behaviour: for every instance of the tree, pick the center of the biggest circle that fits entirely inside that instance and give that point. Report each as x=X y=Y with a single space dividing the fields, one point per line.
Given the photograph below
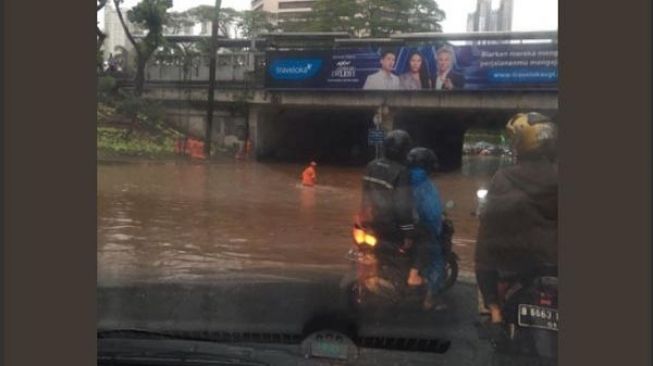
x=176 y=22
x=423 y=16
x=100 y=36
x=204 y=14
x=251 y=23
x=370 y=18
x=151 y=16
x=329 y=16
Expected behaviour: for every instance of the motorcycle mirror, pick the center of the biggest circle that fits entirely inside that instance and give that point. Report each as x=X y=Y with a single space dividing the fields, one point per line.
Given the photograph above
x=450 y=204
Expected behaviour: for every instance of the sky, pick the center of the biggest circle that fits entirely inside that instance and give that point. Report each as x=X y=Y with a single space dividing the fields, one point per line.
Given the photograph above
x=528 y=15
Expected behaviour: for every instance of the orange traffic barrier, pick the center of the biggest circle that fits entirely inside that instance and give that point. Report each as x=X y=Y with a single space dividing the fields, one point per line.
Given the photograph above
x=190 y=147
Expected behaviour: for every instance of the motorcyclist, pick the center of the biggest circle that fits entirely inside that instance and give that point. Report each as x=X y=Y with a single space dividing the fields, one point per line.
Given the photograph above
x=428 y=251
x=387 y=201
x=518 y=227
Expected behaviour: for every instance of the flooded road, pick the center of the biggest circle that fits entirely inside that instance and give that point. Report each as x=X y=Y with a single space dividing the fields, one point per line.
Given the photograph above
x=179 y=221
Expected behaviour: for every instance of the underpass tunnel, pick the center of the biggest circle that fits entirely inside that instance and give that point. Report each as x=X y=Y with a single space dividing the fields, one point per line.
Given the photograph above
x=444 y=131
x=332 y=136
x=338 y=136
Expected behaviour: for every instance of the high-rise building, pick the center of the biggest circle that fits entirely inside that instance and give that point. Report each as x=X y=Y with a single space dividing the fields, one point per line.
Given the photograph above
x=486 y=19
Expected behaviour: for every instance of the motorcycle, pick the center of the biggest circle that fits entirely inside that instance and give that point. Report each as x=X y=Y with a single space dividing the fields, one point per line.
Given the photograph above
x=380 y=269
x=529 y=309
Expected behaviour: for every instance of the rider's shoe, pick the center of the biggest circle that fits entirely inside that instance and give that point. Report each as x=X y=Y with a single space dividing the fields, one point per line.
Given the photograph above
x=414 y=279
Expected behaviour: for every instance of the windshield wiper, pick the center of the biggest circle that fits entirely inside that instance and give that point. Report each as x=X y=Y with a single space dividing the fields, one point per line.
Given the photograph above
x=144 y=347
x=172 y=358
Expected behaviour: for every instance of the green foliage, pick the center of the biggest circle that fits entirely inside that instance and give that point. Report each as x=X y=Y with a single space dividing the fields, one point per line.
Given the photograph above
x=150 y=15
x=106 y=87
x=117 y=141
x=496 y=137
x=371 y=18
x=176 y=22
x=104 y=112
x=99 y=57
x=202 y=14
x=335 y=16
x=252 y=23
x=144 y=112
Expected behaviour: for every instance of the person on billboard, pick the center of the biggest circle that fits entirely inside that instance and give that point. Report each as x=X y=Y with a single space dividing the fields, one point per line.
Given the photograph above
x=446 y=78
x=416 y=77
x=383 y=79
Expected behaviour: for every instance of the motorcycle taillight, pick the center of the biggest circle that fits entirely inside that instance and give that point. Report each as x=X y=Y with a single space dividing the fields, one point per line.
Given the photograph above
x=546 y=299
x=361 y=237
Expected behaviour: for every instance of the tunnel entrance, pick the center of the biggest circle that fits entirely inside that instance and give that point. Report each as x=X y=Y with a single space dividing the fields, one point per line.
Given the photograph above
x=444 y=131
x=325 y=135
x=339 y=136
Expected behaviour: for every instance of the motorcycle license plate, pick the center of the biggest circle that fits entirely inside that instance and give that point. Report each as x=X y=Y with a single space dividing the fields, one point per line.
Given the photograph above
x=538 y=317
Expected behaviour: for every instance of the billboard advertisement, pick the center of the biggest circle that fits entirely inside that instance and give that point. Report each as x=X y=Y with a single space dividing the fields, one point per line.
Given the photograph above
x=433 y=67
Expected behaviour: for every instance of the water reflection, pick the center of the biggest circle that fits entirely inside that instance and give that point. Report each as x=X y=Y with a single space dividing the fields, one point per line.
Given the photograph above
x=172 y=222
x=483 y=166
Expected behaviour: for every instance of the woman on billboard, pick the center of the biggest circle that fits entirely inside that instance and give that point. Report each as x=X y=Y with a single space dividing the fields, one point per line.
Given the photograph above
x=447 y=78
x=416 y=77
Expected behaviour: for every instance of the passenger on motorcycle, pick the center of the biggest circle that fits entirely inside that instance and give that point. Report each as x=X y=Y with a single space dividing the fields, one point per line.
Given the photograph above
x=387 y=201
x=518 y=227
x=428 y=252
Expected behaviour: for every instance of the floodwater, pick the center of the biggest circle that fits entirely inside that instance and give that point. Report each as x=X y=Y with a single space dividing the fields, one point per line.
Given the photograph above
x=187 y=222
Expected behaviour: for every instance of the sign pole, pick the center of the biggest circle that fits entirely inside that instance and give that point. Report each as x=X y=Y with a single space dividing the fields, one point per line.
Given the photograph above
x=212 y=56
x=378 y=120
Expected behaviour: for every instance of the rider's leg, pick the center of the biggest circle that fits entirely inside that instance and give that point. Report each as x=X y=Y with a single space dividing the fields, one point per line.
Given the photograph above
x=435 y=278
x=417 y=254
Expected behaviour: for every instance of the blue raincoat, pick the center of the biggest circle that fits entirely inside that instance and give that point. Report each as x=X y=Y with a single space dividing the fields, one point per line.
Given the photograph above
x=429 y=211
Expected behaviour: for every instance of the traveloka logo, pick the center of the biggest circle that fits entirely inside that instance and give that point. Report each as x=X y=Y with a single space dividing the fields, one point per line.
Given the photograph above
x=295 y=69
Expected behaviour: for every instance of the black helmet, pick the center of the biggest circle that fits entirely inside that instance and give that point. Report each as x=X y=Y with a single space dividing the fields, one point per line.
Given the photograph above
x=396 y=144
x=423 y=158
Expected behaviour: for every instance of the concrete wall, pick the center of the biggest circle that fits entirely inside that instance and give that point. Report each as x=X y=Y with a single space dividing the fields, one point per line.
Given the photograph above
x=478 y=100
x=266 y=133
x=229 y=67
x=226 y=126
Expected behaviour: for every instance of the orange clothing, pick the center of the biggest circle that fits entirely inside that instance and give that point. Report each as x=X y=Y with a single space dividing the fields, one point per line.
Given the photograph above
x=195 y=148
x=309 y=176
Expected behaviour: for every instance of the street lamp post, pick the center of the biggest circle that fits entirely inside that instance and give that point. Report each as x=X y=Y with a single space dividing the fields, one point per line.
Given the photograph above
x=212 y=56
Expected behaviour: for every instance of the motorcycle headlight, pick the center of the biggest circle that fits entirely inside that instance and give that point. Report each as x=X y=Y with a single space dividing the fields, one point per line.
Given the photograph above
x=481 y=193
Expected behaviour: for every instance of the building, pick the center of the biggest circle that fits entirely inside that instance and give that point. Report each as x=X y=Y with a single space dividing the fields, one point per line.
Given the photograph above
x=485 y=19
x=284 y=9
x=116 y=37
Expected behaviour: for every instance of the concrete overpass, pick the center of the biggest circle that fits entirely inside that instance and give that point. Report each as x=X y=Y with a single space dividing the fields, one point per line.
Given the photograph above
x=275 y=120
x=459 y=99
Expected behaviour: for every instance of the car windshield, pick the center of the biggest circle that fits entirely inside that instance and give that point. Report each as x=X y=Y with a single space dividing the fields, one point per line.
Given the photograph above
x=250 y=179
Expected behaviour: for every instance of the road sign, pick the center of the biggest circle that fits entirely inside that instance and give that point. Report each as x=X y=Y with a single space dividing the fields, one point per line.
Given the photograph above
x=375 y=136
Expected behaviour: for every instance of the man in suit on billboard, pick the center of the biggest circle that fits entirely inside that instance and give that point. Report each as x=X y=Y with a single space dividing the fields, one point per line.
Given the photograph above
x=446 y=78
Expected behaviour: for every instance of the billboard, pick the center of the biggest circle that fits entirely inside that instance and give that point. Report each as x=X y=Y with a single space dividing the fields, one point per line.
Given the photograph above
x=432 y=67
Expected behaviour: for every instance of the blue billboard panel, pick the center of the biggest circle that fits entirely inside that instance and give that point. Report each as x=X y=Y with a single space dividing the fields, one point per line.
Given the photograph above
x=432 y=67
